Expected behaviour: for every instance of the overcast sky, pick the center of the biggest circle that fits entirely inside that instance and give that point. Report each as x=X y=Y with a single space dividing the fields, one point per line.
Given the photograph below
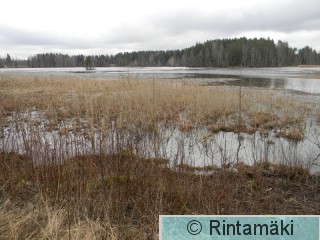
x=108 y=27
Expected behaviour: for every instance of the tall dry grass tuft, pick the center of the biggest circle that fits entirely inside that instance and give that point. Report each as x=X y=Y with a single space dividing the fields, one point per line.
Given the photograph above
x=35 y=219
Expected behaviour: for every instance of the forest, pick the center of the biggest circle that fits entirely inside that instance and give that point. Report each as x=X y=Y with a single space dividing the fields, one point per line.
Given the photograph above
x=212 y=53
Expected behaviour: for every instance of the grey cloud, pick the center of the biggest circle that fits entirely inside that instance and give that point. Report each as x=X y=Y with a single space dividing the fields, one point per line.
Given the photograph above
x=177 y=28
x=129 y=35
x=286 y=18
x=10 y=36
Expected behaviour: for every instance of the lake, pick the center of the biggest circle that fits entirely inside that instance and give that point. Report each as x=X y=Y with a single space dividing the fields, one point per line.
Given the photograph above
x=305 y=80
x=302 y=83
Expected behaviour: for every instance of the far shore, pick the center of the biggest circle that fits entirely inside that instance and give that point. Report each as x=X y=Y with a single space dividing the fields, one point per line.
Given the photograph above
x=308 y=66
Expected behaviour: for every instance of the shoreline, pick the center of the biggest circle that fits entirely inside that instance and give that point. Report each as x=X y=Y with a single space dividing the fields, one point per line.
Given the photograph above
x=308 y=66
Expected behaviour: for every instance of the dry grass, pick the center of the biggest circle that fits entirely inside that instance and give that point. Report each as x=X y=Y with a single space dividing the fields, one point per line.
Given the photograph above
x=84 y=170
x=307 y=76
x=36 y=219
x=185 y=105
x=308 y=66
x=121 y=196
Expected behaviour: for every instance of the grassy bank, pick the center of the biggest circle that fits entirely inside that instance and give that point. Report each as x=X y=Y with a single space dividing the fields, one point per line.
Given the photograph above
x=120 y=196
x=85 y=158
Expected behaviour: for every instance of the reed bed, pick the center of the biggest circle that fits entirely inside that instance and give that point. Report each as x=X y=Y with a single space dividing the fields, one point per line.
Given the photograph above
x=133 y=102
x=87 y=157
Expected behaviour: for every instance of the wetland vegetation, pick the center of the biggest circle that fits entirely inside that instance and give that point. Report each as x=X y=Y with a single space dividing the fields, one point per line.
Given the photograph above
x=102 y=159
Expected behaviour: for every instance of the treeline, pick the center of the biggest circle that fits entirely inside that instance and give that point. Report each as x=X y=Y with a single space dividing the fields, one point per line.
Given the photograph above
x=8 y=62
x=214 y=53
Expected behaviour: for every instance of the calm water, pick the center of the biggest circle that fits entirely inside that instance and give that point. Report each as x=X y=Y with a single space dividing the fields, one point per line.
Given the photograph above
x=305 y=80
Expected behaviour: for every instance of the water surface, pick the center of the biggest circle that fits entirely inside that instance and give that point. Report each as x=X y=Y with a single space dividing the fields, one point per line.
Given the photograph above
x=305 y=80
x=304 y=83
